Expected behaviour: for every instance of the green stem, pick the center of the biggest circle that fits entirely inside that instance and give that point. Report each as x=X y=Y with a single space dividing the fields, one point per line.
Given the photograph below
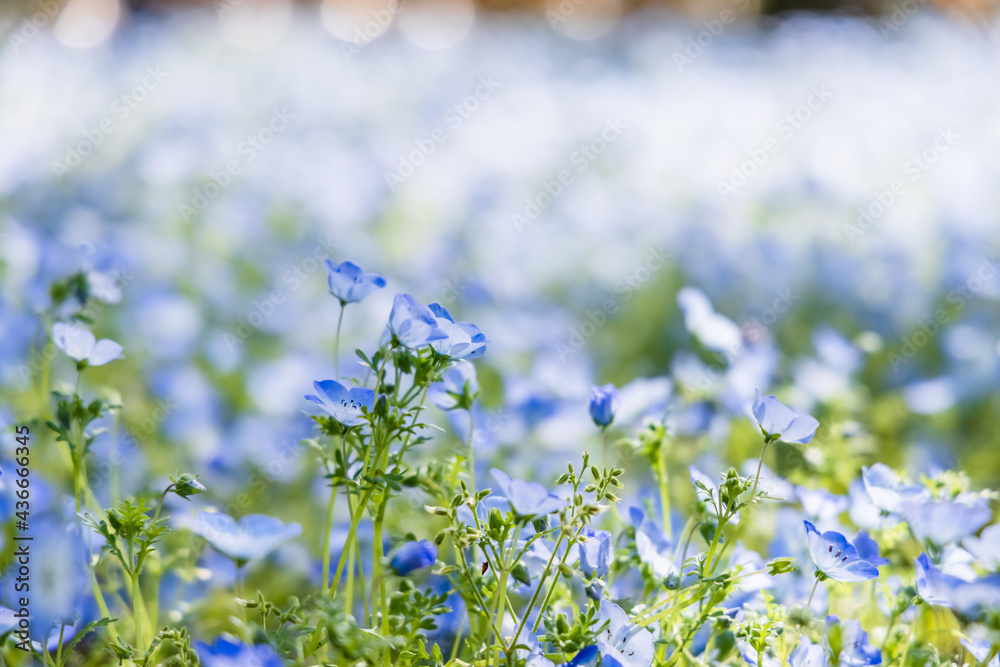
x=328 y=529
x=664 y=493
x=538 y=589
x=336 y=344
x=472 y=453
x=811 y=593
x=760 y=465
x=137 y=611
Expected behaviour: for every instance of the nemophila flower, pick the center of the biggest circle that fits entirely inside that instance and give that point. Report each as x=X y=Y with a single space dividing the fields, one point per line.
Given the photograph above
x=942 y=522
x=253 y=536
x=80 y=344
x=341 y=403
x=349 y=283
x=412 y=323
x=604 y=403
x=716 y=332
x=527 y=499
x=629 y=644
x=463 y=340
x=840 y=560
x=849 y=643
x=226 y=653
x=749 y=655
x=968 y=598
x=456 y=383
x=596 y=553
x=413 y=556
x=807 y=654
x=885 y=488
x=780 y=422
x=981 y=649
x=986 y=547
x=933 y=585
x=652 y=546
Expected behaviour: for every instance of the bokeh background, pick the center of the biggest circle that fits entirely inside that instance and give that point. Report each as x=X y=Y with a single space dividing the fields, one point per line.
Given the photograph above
x=825 y=173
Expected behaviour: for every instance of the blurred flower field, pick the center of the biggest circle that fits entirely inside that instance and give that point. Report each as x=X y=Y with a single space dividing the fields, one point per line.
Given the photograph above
x=528 y=351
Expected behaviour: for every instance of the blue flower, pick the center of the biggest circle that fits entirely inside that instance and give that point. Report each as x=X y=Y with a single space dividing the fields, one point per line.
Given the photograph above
x=456 y=383
x=780 y=422
x=253 y=536
x=837 y=558
x=986 y=547
x=413 y=556
x=604 y=403
x=968 y=598
x=716 y=332
x=596 y=553
x=462 y=340
x=413 y=324
x=749 y=655
x=589 y=656
x=934 y=586
x=885 y=488
x=225 y=653
x=850 y=643
x=80 y=344
x=349 y=283
x=807 y=654
x=629 y=644
x=980 y=650
x=652 y=546
x=527 y=499
x=341 y=403
x=942 y=522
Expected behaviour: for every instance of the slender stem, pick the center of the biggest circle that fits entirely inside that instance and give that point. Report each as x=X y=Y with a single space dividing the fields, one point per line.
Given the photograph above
x=664 y=492
x=604 y=446
x=811 y=593
x=472 y=453
x=336 y=344
x=538 y=589
x=327 y=530
x=136 y=610
x=760 y=465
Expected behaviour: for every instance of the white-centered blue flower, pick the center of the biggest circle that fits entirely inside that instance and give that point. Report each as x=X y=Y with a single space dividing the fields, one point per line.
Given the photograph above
x=838 y=559
x=885 y=488
x=226 y=653
x=850 y=643
x=349 y=283
x=413 y=324
x=986 y=547
x=527 y=499
x=253 y=536
x=807 y=654
x=628 y=643
x=463 y=340
x=780 y=422
x=81 y=345
x=942 y=522
x=596 y=552
x=341 y=403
